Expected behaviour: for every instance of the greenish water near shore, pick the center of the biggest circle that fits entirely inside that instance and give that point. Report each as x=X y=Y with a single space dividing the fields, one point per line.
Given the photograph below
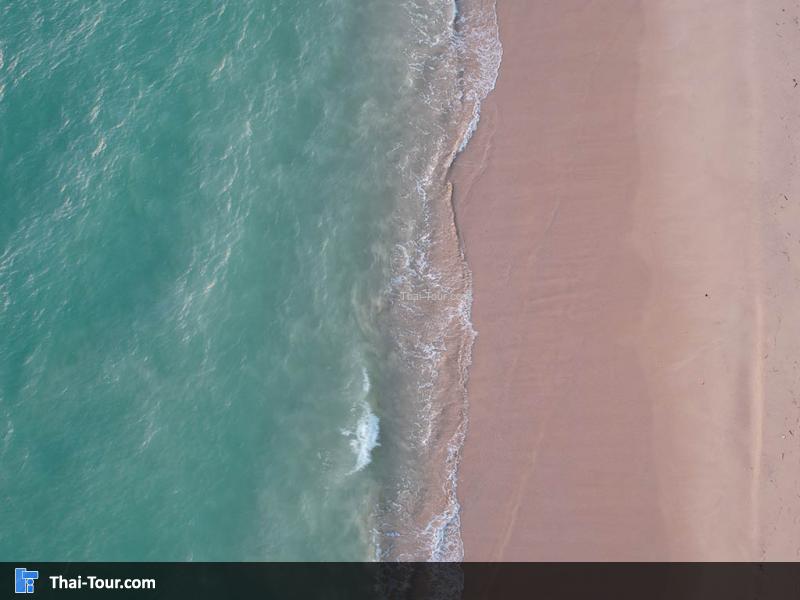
x=202 y=209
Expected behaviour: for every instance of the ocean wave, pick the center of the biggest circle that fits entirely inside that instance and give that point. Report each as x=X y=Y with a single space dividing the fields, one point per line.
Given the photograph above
x=431 y=285
x=364 y=436
x=479 y=44
x=477 y=39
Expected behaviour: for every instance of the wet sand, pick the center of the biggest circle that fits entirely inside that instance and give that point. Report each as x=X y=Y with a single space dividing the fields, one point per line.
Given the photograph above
x=630 y=210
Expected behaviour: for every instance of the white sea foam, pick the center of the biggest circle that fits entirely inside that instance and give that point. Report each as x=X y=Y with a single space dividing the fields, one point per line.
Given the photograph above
x=479 y=44
x=454 y=66
x=364 y=439
x=364 y=436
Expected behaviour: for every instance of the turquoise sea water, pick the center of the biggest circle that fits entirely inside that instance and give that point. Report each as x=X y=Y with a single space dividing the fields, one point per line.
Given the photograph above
x=233 y=310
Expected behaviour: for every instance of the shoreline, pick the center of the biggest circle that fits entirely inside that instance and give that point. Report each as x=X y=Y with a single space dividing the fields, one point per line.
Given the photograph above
x=429 y=297
x=620 y=212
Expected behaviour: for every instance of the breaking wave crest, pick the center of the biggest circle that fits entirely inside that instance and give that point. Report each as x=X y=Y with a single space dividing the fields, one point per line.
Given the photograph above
x=364 y=436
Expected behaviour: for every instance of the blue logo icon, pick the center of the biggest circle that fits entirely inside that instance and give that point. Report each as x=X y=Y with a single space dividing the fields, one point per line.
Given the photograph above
x=23 y=580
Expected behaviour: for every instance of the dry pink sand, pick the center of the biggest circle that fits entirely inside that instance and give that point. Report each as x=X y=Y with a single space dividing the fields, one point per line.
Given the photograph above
x=630 y=209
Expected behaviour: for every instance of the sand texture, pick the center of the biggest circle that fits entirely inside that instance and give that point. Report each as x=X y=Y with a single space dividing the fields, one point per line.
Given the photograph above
x=630 y=210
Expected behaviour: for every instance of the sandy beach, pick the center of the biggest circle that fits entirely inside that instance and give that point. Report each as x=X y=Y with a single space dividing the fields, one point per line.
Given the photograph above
x=630 y=210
